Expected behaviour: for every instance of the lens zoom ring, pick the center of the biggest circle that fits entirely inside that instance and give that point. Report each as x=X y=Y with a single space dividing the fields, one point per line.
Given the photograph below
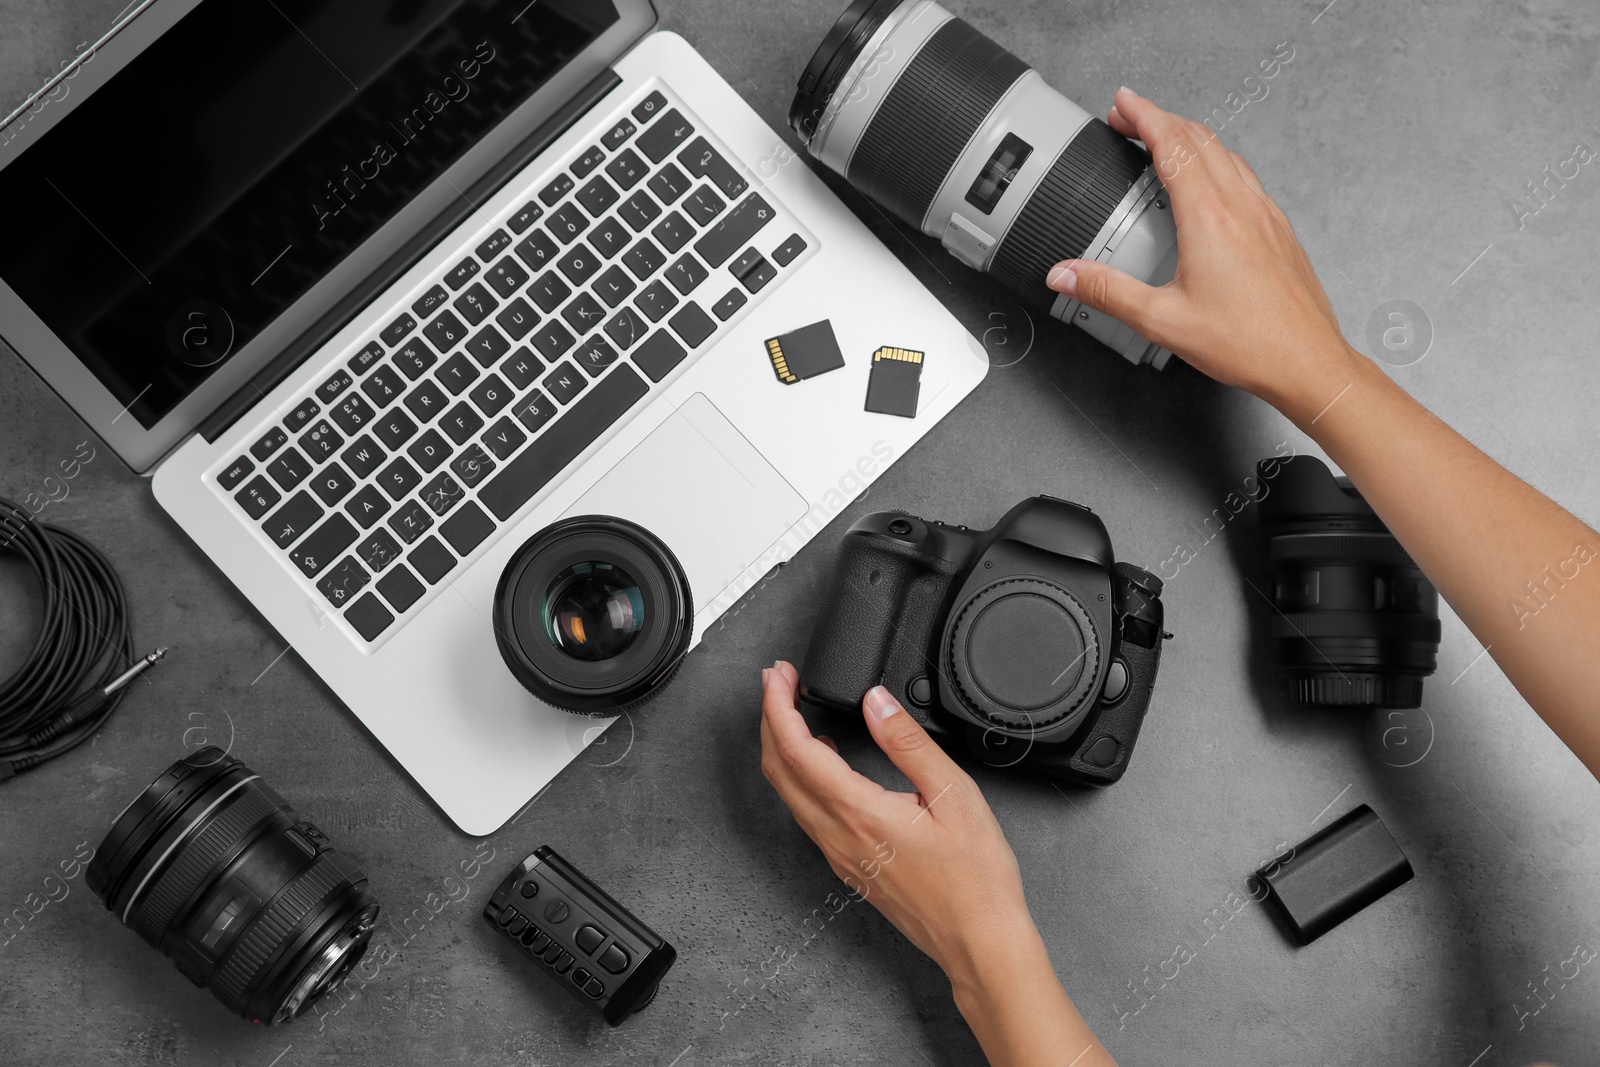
x=272 y=928
x=1070 y=205
x=927 y=118
x=1377 y=626
x=195 y=861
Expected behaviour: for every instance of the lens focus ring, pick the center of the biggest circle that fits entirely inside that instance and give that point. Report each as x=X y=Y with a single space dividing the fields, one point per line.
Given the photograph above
x=271 y=931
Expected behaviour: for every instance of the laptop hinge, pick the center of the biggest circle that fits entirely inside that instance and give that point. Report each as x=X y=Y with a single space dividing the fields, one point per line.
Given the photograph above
x=296 y=352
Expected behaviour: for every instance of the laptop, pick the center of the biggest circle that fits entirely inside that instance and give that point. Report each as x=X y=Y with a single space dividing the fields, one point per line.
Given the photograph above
x=379 y=289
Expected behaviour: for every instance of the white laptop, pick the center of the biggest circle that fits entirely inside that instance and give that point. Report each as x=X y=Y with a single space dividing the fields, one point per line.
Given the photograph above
x=379 y=289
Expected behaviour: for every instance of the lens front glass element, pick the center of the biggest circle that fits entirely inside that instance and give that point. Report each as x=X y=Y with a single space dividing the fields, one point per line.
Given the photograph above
x=593 y=611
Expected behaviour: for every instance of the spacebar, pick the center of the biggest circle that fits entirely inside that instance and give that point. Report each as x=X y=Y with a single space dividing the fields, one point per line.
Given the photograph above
x=561 y=443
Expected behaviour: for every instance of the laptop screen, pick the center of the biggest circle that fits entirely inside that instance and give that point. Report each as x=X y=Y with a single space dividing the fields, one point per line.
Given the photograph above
x=242 y=155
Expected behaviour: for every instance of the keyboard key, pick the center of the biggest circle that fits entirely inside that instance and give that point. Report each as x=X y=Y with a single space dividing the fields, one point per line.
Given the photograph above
x=462 y=273
x=639 y=211
x=522 y=368
x=757 y=277
x=649 y=107
x=487 y=346
x=537 y=251
x=704 y=205
x=687 y=273
x=563 y=441
x=342 y=581
x=367 y=507
x=235 y=473
x=791 y=247
x=579 y=264
x=270 y=442
x=401 y=589
x=352 y=413
x=457 y=373
x=504 y=438
x=399 y=478
x=494 y=244
x=442 y=493
x=644 y=259
x=619 y=133
x=597 y=196
x=517 y=318
x=745 y=262
x=467 y=528
x=585 y=164
x=556 y=189
x=724 y=308
x=472 y=465
x=369 y=617
x=429 y=302
x=257 y=498
x=567 y=222
x=525 y=216
x=674 y=232
x=363 y=456
x=426 y=401
x=333 y=483
x=614 y=286
x=663 y=138
x=533 y=411
x=506 y=277
x=431 y=560
x=366 y=359
x=415 y=357
x=609 y=237
x=301 y=416
x=627 y=169
x=289 y=469
x=411 y=521
x=428 y=451
x=703 y=161
x=398 y=330
x=384 y=387
x=379 y=550
x=551 y=340
x=692 y=324
x=626 y=328
x=594 y=356
x=657 y=356
x=564 y=382
x=491 y=395
x=290 y=522
x=395 y=428
x=461 y=422
x=670 y=184
x=584 y=314
x=549 y=291
x=734 y=230
x=475 y=304
x=655 y=300
x=445 y=332
x=323 y=546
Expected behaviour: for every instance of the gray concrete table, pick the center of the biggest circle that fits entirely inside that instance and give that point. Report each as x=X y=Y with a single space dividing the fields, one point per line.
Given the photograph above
x=1400 y=139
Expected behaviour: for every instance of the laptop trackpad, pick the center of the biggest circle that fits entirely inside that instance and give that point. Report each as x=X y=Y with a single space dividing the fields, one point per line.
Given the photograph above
x=697 y=484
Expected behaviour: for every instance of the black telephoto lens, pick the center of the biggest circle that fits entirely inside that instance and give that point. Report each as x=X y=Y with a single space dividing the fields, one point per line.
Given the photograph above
x=221 y=875
x=1357 y=622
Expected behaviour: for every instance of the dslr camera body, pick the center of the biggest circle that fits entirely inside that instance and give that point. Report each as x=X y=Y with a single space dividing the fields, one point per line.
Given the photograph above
x=1028 y=642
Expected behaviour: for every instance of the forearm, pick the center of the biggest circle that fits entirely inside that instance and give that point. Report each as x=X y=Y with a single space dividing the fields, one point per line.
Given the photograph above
x=1520 y=571
x=1015 y=1005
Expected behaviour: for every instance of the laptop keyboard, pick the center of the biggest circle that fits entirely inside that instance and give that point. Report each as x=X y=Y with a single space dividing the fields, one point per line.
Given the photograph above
x=554 y=321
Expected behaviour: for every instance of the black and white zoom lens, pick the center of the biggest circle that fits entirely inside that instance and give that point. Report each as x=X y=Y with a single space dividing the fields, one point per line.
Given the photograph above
x=961 y=139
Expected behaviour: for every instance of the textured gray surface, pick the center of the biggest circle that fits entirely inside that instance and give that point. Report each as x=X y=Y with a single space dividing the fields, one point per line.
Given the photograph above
x=1396 y=139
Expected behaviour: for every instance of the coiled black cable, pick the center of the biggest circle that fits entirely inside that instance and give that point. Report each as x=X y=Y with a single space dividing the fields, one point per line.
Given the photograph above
x=62 y=694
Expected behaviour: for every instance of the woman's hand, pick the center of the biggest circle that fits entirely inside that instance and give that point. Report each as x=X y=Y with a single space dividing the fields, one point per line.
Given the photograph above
x=1245 y=306
x=935 y=863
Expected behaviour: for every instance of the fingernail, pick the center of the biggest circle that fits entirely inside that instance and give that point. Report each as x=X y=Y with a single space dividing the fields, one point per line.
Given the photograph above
x=1125 y=89
x=777 y=663
x=1063 y=279
x=881 y=703
x=764 y=672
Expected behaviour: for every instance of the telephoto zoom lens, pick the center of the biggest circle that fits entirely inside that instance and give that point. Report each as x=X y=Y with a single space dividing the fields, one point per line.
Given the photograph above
x=961 y=139
x=1357 y=621
x=216 y=871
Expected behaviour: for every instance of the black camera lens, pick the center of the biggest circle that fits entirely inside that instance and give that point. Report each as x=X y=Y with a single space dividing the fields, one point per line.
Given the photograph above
x=214 y=869
x=1357 y=622
x=593 y=614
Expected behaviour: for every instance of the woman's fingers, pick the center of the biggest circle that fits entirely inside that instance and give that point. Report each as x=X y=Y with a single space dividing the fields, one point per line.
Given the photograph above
x=799 y=766
x=909 y=747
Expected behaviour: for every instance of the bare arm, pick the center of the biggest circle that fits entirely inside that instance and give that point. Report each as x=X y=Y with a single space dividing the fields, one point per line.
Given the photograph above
x=1246 y=308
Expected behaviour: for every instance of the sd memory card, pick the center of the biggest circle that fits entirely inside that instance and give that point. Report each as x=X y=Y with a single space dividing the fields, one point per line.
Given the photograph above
x=895 y=382
x=805 y=353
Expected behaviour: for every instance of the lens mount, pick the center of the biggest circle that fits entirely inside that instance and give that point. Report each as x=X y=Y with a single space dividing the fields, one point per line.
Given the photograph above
x=832 y=59
x=593 y=614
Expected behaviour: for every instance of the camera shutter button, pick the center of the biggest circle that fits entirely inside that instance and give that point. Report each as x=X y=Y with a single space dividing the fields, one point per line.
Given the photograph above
x=899 y=527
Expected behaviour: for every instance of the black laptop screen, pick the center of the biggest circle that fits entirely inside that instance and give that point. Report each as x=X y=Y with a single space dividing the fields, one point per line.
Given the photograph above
x=243 y=154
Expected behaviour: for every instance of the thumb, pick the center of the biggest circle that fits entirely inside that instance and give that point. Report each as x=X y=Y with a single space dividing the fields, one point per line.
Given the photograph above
x=908 y=745
x=1105 y=288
